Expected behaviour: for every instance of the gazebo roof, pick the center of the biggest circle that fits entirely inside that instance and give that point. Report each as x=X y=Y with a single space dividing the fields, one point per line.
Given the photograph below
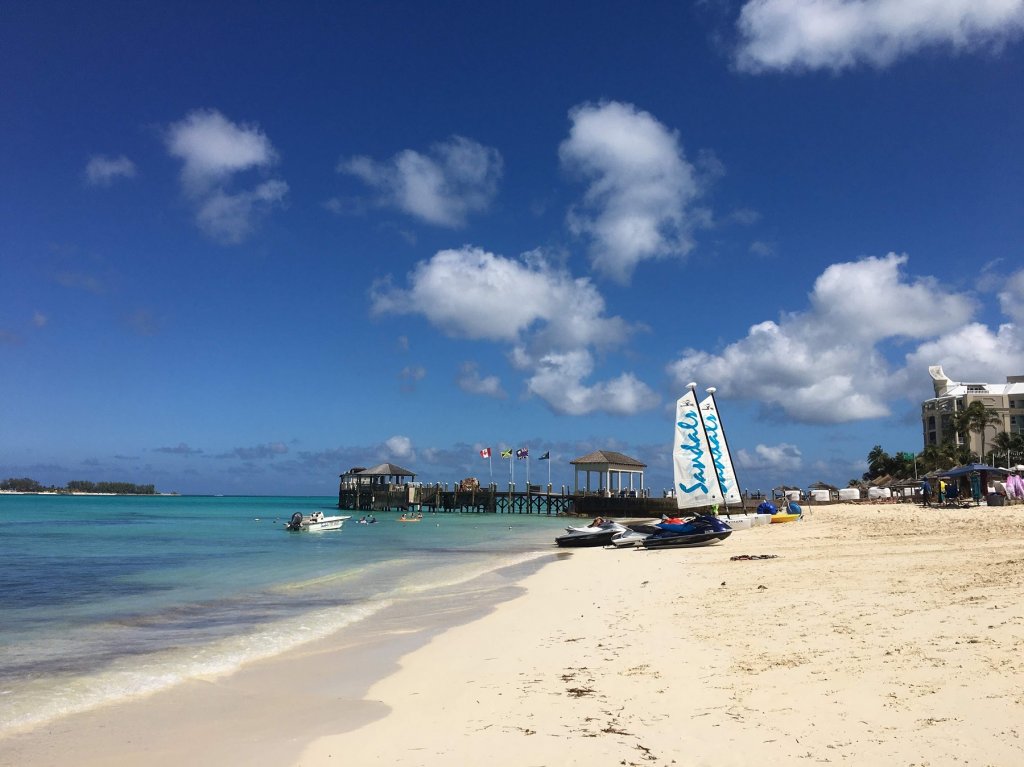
x=608 y=458
x=382 y=470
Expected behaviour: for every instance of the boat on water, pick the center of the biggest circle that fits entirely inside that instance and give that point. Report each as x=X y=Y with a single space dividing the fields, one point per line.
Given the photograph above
x=702 y=530
x=594 y=534
x=314 y=523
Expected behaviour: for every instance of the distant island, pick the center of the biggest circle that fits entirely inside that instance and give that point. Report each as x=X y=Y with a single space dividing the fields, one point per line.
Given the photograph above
x=26 y=485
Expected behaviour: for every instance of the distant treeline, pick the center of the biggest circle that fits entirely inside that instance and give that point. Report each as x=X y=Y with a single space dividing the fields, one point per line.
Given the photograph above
x=26 y=485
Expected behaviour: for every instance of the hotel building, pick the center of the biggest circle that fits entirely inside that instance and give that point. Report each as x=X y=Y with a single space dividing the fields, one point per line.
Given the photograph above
x=952 y=397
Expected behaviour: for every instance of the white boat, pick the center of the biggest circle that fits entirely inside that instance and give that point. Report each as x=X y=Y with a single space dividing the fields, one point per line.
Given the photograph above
x=315 y=522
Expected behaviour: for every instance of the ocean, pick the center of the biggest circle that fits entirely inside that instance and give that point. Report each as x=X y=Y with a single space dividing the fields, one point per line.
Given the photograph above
x=104 y=598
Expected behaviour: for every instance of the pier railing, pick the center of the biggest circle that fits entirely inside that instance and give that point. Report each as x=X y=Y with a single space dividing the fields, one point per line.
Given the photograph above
x=491 y=499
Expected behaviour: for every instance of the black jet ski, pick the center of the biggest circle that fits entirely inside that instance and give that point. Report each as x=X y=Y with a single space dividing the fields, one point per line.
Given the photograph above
x=599 y=534
x=702 y=530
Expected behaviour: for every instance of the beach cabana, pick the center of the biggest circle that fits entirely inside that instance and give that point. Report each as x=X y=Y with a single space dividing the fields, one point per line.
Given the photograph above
x=611 y=469
x=822 y=491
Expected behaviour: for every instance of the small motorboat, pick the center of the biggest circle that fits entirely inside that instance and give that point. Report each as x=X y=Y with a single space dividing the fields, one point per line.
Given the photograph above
x=599 y=534
x=314 y=523
x=702 y=530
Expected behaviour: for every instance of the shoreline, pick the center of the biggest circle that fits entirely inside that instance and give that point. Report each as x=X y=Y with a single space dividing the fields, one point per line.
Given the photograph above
x=882 y=634
x=267 y=711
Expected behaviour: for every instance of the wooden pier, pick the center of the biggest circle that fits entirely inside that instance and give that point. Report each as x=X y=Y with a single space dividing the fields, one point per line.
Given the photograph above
x=492 y=500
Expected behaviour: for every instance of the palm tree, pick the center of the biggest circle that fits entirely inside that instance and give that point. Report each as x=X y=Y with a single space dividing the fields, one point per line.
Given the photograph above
x=933 y=457
x=1007 y=443
x=976 y=419
x=878 y=463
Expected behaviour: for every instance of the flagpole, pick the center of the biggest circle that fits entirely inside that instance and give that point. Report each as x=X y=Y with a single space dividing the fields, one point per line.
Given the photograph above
x=527 y=470
x=692 y=386
x=490 y=466
x=549 y=470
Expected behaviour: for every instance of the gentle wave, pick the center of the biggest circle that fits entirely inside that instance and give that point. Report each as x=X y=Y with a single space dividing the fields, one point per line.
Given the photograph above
x=45 y=699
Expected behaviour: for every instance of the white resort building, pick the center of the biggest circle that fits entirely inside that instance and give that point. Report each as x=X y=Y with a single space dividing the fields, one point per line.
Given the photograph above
x=952 y=397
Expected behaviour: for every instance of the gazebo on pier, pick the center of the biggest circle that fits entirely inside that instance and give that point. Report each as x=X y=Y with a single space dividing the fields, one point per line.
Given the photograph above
x=383 y=474
x=611 y=468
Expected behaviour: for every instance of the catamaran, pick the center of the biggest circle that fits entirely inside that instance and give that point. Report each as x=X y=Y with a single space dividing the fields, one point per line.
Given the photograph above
x=703 y=472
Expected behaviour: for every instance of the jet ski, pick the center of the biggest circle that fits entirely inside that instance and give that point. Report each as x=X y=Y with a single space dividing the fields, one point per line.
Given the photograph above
x=633 y=535
x=702 y=530
x=599 y=534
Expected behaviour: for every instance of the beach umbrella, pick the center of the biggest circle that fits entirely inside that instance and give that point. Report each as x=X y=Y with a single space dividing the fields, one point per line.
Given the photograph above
x=959 y=471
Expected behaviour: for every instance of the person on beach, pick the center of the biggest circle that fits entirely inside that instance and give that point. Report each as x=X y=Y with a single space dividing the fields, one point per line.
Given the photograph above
x=942 y=491
x=597 y=522
x=926 y=492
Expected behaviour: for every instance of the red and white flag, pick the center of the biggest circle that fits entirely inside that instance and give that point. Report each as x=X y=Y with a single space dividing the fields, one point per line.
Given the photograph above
x=485 y=453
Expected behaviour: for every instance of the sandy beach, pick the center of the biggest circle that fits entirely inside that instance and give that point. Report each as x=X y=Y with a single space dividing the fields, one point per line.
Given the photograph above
x=878 y=634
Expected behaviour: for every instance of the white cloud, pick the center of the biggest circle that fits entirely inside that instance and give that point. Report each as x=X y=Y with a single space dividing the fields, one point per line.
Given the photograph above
x=399 y=446
x=413 y=373
x=229 y=218
x=974 y=353
x=458 y=177
x=839 y=34
x=866 y=298
x=640 y=184
x=39 y=319
x=550 y=318
x=558 y=380
x=471 y=382
x=825 y=365
x=771 y=459
x=213 y=150
x=103 y=171
x=475 y=294
x=1011 y=297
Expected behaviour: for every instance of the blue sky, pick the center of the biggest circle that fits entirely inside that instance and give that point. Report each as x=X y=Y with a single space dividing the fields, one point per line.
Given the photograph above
x=244 y=250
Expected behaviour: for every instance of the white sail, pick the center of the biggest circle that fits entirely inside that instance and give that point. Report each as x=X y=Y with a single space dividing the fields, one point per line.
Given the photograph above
x=720 y=450
x=696 y=482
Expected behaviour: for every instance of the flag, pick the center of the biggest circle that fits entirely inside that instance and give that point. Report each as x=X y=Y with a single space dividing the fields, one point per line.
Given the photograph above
x=485 y=453
x=545 y=457
x=522 y=452
x=506 y=453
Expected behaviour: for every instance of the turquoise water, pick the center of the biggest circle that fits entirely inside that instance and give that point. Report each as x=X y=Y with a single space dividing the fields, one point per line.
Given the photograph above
x=103 y=598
